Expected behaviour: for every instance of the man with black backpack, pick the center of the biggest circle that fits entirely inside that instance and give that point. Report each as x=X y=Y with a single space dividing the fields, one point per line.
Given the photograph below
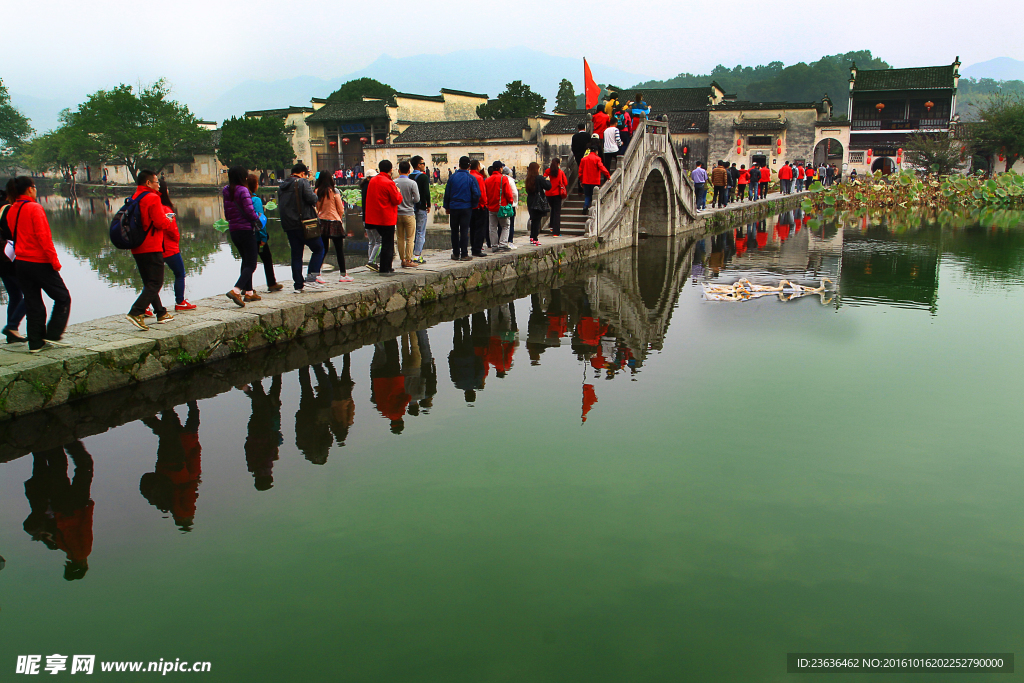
x=149 y=256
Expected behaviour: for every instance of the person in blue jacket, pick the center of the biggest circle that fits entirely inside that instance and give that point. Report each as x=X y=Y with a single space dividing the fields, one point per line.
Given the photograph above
x=461 y=195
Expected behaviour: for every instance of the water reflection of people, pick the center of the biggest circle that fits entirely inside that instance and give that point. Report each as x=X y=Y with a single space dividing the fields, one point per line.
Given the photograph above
x=465 y=366
x=536 y=329
x=174 y=485
x=61 y=509
x=387 y=384
x=312 y=423
x=343 y=407
x=264 y=437
x=503 y=341
x=419 y=371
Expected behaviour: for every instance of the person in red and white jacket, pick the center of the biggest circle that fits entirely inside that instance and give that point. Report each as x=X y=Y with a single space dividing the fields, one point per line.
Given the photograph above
x=498 y=193
x=149 y=256
x=591 y=170
x=382 y=200
x=36 y=266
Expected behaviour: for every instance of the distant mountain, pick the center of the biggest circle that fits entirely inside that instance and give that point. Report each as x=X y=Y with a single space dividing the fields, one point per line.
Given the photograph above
x=479 y=71
x=1000 y=69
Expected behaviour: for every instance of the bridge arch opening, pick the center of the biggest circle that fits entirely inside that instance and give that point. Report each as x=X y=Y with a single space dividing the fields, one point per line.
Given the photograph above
x=654 y=215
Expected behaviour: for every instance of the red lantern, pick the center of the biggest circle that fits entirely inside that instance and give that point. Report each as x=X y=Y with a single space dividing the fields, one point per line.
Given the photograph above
x=879 y=107
x=899 y=156
x=345 y=141
x=869 y=156
x=778 y=146
x=380 y=141
x=332 y=143
x=686 y=150
x=364 y=140
x=928 y=105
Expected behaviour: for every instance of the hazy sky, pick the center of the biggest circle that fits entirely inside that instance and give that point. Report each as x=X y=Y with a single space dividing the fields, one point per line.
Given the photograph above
x=65 y=49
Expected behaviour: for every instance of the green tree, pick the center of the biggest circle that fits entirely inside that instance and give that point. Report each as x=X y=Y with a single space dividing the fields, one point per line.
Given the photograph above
x=565 y=100
x=58 y=150
x=935 y=153
x=1001 y=130
x=516 y=102
x=256 y=144
x=14 y=128
x=354 y=91
x=137 y=130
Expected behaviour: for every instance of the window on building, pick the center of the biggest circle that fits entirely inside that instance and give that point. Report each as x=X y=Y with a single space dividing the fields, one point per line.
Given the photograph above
x=856 y=157
x=476 y=156
x=439 y=158
x=759 y=140
x=186 y=168
x=170 y=169
x=404 y=157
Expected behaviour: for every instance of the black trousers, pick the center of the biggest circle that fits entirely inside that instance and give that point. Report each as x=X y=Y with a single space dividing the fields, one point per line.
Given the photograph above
x=151 y=268
x=459 y=221
x=478 y=231
x=536 y=217
x=36 y=278
x=719 y=197
x=387 y=247
x=268 y=264
x=339 y=249
x=555 y=222
x=245 y=242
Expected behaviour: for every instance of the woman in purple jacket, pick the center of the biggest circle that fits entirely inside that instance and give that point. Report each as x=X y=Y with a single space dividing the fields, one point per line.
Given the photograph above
x=241 y=219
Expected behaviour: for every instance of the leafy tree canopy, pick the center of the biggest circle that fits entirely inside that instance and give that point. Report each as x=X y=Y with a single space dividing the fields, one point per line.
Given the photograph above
x=354 y=91
x=933 y=153
x=517 y=101
x=135 y=129
x=1001 y=130
x=58 y=150
x=565 y=100
x=256 y=144
x=14 y=128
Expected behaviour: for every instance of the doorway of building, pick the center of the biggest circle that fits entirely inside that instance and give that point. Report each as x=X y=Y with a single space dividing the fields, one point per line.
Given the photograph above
x=759 y=160
x=883 y=164
x=828 y=151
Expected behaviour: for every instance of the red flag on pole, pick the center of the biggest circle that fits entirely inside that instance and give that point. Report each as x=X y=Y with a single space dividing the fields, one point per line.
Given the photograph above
x=590 y=87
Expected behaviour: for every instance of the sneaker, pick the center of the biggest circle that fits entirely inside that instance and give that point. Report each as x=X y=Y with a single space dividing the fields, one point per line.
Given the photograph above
x=44 y=347
x=57 y=342
x=314 y=284
x=275 y=287
x=185 y=306
x=372 y=266
x=315 y=277
x=165 y=318
x=455 y=257
x=419 y=259
x=236 y=297
x=253 y=297
x=466 y=258
x=479 y=255
x=345 y=278
x=139 y=321
x=149 y=313
x=512 y=246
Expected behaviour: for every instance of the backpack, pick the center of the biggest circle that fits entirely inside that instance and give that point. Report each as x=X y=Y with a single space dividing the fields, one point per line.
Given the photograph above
x=127 y=230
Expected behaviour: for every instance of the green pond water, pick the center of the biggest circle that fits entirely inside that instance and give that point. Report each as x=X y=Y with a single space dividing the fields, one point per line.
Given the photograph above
x=837 y=473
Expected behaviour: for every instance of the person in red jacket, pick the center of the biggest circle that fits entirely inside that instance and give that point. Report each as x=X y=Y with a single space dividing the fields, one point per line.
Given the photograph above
x=591 y=170
x=559 y=190
x=600 y=120
x=382 y=200
x=742 y=181
x=172 y=253
x=498 y=193
x=36 y=266
x=173 y=486
x=149 y=256
x=478 y=232
x=766 y=177
x=786 y=178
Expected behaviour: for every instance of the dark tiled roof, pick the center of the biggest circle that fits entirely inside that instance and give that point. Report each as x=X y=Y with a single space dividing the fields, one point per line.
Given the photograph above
x=729 y=106
x=664 y=100
x=760 y=124
x=920 y=78
x=832 y=124
x=462 y=92
x=561 y=125
x=278 y=112
x=463 y=130
x=687 y=122
x=428 y=98
x=350 y=111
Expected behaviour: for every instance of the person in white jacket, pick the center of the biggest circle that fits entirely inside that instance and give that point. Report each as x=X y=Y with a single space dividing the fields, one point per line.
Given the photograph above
x=612 y=142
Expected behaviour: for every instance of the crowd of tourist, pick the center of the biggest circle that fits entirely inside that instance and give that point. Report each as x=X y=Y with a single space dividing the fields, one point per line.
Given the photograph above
x=731 y=184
